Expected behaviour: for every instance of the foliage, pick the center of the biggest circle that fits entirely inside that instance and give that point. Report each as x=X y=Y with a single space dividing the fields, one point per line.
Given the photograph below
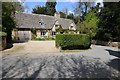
x=70 y=16
x=0 y=27
x=89 y=25
x=43 y=39
x=18 y=6
x=39 y=10
x=98 y=42
x=33 y=30
x=82 y=11
x=2 y=34
x=48 y=9
x=33 y=33
x=73 y=41
x=62 y=15
x=76 y=19
x=8 y=22
x=60 y=29
x=109 y=25
x=119 y=45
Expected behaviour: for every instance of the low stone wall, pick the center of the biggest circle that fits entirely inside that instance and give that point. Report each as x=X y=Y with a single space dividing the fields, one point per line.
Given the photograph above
x=2 y=43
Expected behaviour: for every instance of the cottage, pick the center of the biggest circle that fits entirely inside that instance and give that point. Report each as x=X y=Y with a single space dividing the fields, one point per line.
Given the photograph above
x=44 y=25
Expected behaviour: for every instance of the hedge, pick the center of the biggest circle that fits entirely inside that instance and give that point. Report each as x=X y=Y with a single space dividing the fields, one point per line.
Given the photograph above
x=43 y=39
x=2 y=34
x=73 y=41
x=119 y=45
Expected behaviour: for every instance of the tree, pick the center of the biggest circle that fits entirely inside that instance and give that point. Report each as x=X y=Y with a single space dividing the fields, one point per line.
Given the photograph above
x=60 y=29
x=70 y=16
x=8 y=22
x=90 y=24
x=39 y=10
x=82 y=8
x=65 y=10
x=109 y=25
x=50 y=7
x=76 y=19
x=62 y=14
x=19 y=6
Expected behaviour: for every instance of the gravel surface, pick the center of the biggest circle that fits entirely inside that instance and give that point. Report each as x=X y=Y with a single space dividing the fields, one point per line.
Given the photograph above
x=33 y=47
x=97 y=62
x=56 y=66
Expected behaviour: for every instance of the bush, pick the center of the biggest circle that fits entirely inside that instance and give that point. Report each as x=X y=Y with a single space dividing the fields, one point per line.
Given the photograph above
x=99 y=42
x=119 y=45
x=93 y=42
x=2 y=34
x=73 y=41
x=43 y=39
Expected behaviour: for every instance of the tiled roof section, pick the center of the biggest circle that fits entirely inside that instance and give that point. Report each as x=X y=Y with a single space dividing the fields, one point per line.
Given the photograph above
x=26 y=20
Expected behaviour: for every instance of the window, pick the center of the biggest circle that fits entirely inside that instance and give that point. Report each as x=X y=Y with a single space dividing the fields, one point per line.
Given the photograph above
x=41 y=22
x=43 y=33
x=53 y=33
x=71 y=27
x=56 y=25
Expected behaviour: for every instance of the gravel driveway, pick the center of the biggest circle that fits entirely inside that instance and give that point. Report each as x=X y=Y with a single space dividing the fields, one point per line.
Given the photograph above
x=32 y=47
x=94 y=63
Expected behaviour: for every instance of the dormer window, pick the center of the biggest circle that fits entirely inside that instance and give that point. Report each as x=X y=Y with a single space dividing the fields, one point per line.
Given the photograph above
x=57 y=23
x=41 y=23
x=71 y=27
x=56 y=26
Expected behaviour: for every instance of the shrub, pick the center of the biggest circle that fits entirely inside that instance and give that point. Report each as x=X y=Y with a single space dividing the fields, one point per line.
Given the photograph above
x=73 y=41
x=103 y=43
x=43 y=39
x=2 y=34
x=93 y=42
x=119 y=45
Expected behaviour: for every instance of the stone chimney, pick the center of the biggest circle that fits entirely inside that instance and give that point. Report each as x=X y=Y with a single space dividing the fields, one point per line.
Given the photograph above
x=57 y=15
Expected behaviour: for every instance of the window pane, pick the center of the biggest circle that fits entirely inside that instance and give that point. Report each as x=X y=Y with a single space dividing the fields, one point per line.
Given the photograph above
x=43 y=33
x=53 y=33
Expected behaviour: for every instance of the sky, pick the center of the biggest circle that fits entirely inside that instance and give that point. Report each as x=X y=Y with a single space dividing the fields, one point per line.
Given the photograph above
x=69 y=4
x=59 y=7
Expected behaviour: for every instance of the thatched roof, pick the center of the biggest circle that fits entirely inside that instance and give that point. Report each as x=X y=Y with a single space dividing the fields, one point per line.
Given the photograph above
x=27 y=20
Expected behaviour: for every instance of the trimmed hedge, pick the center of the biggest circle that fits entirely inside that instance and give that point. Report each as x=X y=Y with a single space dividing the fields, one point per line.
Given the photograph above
x=43 y=39
x=73 y=41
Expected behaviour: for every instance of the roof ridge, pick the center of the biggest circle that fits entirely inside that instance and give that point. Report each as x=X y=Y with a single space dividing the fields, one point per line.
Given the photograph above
x=43 y=15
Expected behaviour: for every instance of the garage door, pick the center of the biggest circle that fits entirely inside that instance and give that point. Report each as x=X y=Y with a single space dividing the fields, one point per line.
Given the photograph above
x=24 y=35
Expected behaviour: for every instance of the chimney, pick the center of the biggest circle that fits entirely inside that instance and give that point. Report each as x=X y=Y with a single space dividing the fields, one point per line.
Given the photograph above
x=57 y=15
